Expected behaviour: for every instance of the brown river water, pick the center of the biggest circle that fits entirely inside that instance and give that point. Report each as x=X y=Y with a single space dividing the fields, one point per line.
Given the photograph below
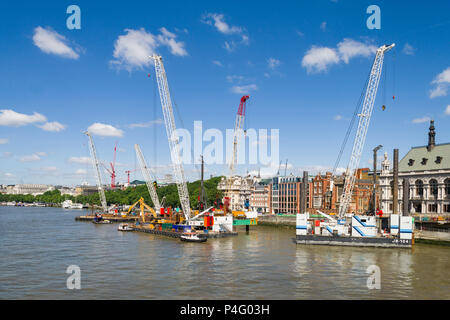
x=38 y=244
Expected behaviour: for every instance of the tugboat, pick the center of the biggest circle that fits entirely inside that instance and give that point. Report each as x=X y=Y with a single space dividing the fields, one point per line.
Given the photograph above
x=192 y=237
x=124 y=227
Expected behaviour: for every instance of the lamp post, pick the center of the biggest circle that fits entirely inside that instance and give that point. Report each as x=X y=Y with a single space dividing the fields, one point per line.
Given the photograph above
x=374 y=197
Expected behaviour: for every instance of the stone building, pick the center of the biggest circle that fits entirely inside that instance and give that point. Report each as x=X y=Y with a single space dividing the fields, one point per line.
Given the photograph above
x=239 y=189
x=34 y=189
x=427 y=169
x=259 y=197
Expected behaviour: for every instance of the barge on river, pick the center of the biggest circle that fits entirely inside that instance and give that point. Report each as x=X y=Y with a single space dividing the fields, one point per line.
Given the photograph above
x=359 y=231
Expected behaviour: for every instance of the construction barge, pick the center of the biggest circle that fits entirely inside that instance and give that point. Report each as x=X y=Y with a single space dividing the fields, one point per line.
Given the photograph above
x=112 y=218
x=178 y=234
x=359 y=231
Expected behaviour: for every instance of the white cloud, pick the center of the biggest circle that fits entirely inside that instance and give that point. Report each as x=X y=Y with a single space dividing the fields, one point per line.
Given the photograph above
x=52 y=126
x=421 y=120
x=6 y=154
x=218 y=21
x=52 y=42
x=218 y=63
x=81 y=171
x=349 y=48
x=41 y=154
x=273 y=63
x=49 y=169
x=31 y=158
x=9 y=175
x=317 y=59
x=447 y=110
x=442 y=83
x=104 y=130
x=337 y=117
x=146 y=124
x=132 y=50
x=408 y=49
x=235 y=78
x=244 y=89
x=4 y=140
x=82 y=160
x=323 y=26
x=168 y=38
x=15 y=119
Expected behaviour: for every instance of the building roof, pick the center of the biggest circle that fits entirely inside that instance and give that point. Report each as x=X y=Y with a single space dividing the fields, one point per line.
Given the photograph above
x=438 y=158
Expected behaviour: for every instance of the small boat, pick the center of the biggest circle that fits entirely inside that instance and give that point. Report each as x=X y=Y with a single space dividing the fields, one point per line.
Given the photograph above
x=124 y=227
x=101 y=221
x=192 y=237
x=98 y=219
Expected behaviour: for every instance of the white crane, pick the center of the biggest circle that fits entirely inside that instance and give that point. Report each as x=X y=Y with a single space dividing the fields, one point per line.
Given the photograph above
x=363 y=125
x=166 y=104
x=96 y=166
x=148 y=178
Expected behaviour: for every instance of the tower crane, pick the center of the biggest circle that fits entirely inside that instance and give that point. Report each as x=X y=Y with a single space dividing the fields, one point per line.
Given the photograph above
x=239 y=123
x=128 y=174
x=166 y=104
x=148 y=178
x=112 y=172
x=96 y=166
x=363 y=125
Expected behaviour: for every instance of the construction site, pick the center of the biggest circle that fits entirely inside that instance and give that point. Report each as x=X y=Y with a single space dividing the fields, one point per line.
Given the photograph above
x=206 y=222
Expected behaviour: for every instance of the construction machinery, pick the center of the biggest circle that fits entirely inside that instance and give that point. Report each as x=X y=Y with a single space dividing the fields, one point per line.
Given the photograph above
x=169 y=120
x=96 y=166
x=128 y=174
x=149 y=180
x=363 y=125
x=112 y=171
x=142 y=207
x=238 y=131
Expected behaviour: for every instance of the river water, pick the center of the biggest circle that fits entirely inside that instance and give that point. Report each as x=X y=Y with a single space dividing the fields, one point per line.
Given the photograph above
x=38 y=244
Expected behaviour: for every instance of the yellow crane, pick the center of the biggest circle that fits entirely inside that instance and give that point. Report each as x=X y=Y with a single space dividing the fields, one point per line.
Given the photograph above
x=142 y=206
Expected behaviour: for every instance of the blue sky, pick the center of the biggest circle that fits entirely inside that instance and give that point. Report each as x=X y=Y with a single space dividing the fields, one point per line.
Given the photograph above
x=304 y=63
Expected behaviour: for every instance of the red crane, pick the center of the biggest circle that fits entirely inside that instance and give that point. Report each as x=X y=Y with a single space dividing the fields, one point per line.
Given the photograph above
x=239 y=125
x=128 y=174
x=112 y=172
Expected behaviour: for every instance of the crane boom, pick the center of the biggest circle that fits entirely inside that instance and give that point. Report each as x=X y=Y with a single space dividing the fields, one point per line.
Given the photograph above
x=240 y=117
x=166 y=104
x=237 y=132
x=148 y=178
x=363 y=125
x=96 y=166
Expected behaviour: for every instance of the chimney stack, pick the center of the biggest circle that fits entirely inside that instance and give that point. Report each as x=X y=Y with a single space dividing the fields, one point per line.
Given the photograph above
x=395 y=184
x=431 y=136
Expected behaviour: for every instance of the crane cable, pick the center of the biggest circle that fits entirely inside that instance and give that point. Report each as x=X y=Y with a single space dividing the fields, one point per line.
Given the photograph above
x=350 y=127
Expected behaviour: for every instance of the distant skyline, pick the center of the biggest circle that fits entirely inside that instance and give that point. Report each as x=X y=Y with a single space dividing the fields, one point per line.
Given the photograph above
x=303 y=63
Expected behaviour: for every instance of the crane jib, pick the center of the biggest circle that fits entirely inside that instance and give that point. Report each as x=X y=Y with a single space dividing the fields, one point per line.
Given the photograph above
x=363 y=125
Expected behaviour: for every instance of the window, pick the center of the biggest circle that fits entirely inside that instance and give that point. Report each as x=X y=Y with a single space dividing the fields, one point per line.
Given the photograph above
x=447 y=186
x=438 y=159
x=411 y=162
x=446 y=207
x=419 y=187
x=424 y=161
x=432 y=208
x=433 y=187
